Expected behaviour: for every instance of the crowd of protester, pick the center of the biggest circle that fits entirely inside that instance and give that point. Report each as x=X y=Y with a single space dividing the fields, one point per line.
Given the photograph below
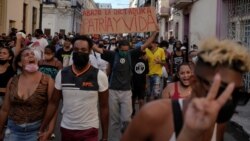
x=116 y=73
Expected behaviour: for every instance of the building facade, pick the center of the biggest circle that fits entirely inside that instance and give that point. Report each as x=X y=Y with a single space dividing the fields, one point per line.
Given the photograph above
x=89 y=4
x=162 y=14
x=104 y=5
x=64 y=16
x=19 y=14
x=224 y=19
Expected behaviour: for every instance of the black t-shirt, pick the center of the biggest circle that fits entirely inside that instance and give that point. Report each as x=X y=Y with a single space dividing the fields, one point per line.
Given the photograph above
x=140 y=70
x=177 y=60
x=120 y=78
x=5 y=77
x=61 y=54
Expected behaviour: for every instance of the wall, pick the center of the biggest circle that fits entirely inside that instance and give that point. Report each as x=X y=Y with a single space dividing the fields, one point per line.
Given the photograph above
x=55 y=21
x=178 y=18
x=48 y=22
x=222 y=19
x=29 y=18
x=14 y=12
x=203 y=17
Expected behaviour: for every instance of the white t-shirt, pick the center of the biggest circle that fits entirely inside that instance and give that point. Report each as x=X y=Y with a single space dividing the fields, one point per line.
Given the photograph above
x=95 y=60
x=80 y=109
x=38 y=47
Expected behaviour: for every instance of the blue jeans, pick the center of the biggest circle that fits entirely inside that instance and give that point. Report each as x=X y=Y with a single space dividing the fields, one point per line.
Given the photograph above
x=22 y=132
x=154 y=87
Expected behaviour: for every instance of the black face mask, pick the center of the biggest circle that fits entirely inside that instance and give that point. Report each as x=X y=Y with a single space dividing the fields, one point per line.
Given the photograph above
x=2 y=62
x=101 y=45
x=227 y=110
x=80 y=59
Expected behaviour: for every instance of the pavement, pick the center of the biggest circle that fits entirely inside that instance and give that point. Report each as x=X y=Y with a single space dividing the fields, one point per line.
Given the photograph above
x=238 y=129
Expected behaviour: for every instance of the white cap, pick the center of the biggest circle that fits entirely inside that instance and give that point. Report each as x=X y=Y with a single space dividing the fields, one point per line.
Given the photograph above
x=23 y=35
x=183 y=48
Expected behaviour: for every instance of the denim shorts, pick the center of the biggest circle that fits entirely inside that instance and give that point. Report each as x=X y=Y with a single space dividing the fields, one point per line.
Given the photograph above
x=22 y=132
x=154 y=87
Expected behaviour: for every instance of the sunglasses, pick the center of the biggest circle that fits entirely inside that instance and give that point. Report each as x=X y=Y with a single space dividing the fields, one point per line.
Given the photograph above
x=239 y=95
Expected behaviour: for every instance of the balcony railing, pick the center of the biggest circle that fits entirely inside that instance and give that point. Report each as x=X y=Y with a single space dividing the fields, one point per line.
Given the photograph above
x=163 y=8
x=180 y=4
x=50 y=2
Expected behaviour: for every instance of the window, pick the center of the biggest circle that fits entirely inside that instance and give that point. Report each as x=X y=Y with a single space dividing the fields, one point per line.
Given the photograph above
x=62 y=31
x=34 y=19
x=12 y=24
x=24 y=15
x=47 y=32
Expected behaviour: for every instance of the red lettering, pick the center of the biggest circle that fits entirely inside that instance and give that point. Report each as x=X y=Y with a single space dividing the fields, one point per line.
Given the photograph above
x=107 y=12
x=142 y=11
x=91 y=25
x=135 y=23
x=101 y=24
x=129 y=27
x=149 y=10
x=116 y=22
x=109 y=24
x=96 y=24
x=92 y=12
x=151 y=21
x=142 y=22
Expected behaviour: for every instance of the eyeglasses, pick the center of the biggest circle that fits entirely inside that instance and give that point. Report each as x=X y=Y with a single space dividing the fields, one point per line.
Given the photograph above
x=239 y=95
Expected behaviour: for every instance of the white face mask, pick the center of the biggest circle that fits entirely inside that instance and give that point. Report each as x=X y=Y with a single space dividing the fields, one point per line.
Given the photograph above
x=195 y=59
x=31 y=67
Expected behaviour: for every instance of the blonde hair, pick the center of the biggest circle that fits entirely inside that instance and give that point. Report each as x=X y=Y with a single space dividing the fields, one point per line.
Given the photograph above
x=225 y=52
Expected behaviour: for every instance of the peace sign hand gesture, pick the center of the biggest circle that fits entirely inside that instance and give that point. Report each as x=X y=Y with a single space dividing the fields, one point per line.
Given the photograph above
x=201 y=113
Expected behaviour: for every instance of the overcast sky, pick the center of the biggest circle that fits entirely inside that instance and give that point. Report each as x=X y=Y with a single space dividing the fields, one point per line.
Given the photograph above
x=115 y=3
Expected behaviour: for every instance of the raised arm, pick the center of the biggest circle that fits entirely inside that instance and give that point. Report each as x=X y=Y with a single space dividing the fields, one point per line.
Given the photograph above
x=18 y=47
x=149 y=40
x=97 y=49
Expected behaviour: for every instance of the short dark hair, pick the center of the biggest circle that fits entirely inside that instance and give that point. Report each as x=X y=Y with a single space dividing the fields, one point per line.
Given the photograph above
x=123 y=43
x=51 y=47
x=164 y=44
x=84 y=38
x=19 y=56
x=39 y=31
x=176 y=78
x=11 y=54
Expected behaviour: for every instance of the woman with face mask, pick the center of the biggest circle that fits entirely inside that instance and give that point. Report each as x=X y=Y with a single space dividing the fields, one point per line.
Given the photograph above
x=26 y=99
x=216 y=91
x=6 y=70
x=181 y=88
x=50 y=65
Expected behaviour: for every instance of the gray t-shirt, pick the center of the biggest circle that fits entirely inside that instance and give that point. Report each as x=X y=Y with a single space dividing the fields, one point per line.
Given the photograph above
x=120 y=78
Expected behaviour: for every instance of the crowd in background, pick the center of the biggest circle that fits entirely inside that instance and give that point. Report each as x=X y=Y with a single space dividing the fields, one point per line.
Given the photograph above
x=132 y=69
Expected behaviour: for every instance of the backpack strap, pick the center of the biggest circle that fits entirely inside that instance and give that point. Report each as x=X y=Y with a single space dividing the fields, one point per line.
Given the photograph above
x=177 y=115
